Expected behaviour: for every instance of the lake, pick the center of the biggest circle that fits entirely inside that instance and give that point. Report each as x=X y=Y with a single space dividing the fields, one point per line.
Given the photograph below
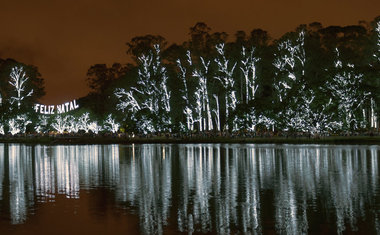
x=196 y=188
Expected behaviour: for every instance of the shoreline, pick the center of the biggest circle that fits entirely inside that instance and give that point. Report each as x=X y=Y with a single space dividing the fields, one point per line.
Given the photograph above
x=69 y=140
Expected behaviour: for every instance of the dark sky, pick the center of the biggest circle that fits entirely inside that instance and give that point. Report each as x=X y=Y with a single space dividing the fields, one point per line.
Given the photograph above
x=63 y=38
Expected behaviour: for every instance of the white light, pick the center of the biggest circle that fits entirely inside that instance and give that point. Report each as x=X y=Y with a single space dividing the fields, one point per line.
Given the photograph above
x=56 y=109
x=18 y=78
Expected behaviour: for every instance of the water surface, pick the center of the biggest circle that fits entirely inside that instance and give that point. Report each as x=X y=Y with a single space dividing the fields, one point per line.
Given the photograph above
x=200 y=188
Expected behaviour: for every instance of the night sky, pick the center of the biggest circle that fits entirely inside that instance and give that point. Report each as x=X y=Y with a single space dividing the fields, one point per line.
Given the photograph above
x=64 y=38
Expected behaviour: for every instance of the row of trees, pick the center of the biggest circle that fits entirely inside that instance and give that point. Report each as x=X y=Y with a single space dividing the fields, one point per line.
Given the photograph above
x=313 y=80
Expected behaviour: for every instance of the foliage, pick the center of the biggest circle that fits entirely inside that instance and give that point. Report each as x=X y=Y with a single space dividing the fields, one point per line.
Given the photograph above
x=315 y=80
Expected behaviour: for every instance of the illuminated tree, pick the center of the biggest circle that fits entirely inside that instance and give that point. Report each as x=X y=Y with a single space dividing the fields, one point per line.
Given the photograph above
x=290 y=65
x=72 y=124
x=128 y=102
x=18 y=124
x=302 y=107
x=289 y=77
x=248 y=67
x=345 y=87
x=225 y=77
x=59 y=124
x=18 y=79
x=310 y=117
x=94 y=127
x=202 y=107
x=216 y=112
x=84 y=122
x=377 y=52
x=111 y=125
x=42 y=124
x=376 y=56
x=185 y=93
x=149 y=101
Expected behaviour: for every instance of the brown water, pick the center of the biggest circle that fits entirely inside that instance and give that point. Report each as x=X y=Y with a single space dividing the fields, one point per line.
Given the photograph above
x=199 y=188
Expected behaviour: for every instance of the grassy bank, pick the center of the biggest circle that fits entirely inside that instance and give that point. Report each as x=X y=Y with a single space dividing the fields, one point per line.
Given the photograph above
x=50 y=140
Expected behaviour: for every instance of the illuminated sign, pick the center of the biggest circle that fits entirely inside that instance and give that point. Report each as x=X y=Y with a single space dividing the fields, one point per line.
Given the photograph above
x=52 y=109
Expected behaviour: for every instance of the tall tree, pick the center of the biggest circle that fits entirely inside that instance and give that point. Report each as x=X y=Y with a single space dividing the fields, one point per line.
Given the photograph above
x=225 y=77
x=185 y=93
x=202 y=97
x=290 y=70
x=346 y=88
x=149 y=101
x=376 y=81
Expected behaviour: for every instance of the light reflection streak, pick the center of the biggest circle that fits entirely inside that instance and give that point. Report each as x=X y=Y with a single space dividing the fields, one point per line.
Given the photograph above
x=44 y=173
x=21 y=190
x=2 y=170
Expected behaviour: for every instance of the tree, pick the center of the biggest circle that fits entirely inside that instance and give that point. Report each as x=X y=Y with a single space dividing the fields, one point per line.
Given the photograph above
x=59 y=124
x=100 y=77
x=202 y=99
x=111 y=125
x=290 y=70
x=94 y=127
x=188 y=109
x=2 y=132
x=248 y=63
x=72 y=124
x=199 y=34
x=83 y=122
x=225 y=77
x=18 y=124
x=375 y=64
x=248 y=67
x=376 y=54
x=42 y=124
x=345 y=87
x=144 y=44
x=149 y=101
x=289 y=64
x=18 y=79
x=303 y=104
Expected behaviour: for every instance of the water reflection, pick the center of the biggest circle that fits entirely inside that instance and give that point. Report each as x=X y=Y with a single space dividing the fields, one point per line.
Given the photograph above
x=205 y=188
x=21 y=188
x=146 y=182
x=1 y=170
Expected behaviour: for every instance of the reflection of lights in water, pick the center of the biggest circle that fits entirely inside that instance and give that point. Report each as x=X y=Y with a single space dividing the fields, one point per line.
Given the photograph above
x=133 y=151
x=20 y=179
x=45 y=173
x=56 y=170
x=2 y=168
x=220 y=189
x=67 y=171
x=218 y=186
x=374 y=164
x=145 y=181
